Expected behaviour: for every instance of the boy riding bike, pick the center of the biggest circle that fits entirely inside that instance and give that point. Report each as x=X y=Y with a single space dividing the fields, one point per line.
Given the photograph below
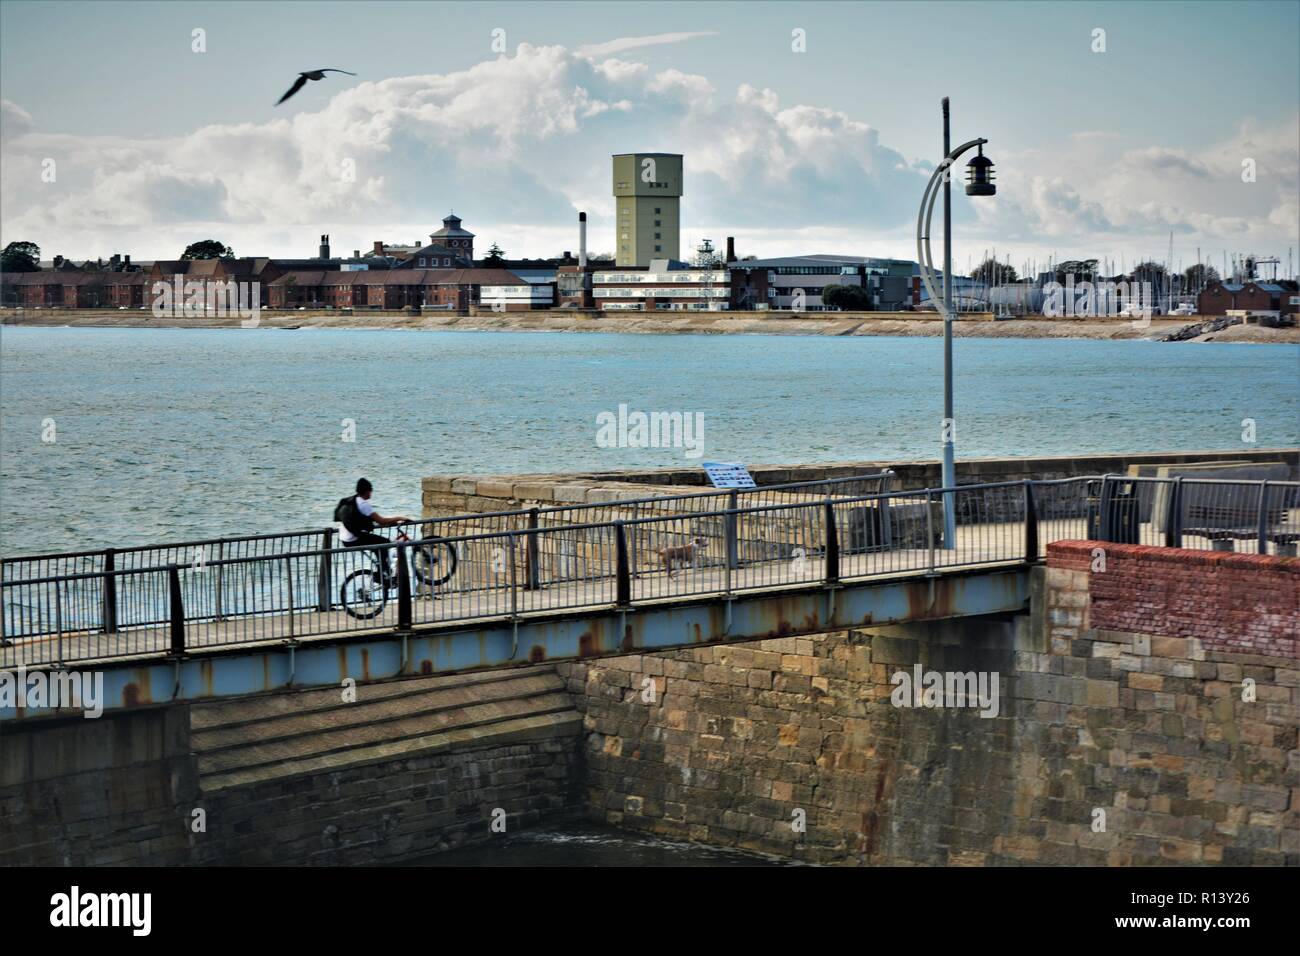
x=357 y=520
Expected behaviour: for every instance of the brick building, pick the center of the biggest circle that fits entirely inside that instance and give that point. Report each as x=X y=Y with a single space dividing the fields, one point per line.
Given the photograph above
x=259 y=269
x=392 y=289
x=451 y=247
x=452 y=236
x=1254 y=296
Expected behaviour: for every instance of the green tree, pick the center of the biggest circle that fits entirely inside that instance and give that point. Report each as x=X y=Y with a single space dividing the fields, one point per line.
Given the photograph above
x=21 y=257
x=1083 y=270
x=207 y=249
x=850 y=298
x=992 y=272
x=1150 y=271
x=495 y=256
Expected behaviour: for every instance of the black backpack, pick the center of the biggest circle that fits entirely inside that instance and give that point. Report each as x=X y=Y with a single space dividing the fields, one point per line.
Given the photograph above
x=346 y=514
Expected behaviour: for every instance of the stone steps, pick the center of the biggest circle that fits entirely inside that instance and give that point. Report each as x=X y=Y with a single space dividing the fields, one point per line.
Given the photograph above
x=241 y=742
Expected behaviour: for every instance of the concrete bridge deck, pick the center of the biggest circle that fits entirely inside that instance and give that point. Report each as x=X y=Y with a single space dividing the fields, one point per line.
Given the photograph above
x=582 y=590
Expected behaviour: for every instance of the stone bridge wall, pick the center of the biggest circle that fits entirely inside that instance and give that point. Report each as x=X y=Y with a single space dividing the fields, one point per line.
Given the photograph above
x=1111 y=746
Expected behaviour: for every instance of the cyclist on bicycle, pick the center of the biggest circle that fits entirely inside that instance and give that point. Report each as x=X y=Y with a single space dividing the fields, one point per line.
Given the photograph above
x=357 y=519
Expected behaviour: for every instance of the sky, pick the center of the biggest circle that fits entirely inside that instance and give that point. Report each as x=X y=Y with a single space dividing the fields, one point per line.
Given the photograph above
x=806 y=127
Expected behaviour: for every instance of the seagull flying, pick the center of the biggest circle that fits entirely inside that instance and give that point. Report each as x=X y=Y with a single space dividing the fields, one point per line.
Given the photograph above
x=309 y=75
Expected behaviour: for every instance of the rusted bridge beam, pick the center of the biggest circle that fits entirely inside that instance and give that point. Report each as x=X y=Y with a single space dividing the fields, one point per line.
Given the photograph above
x=606 y=631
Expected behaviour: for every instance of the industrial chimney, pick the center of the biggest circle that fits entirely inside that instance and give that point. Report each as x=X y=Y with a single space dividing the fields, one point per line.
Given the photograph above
x=731 y=248
x=324 y=247
x=582 y=240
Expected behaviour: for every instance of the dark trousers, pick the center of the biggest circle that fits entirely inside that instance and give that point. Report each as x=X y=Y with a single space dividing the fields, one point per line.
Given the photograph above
x=367 y=538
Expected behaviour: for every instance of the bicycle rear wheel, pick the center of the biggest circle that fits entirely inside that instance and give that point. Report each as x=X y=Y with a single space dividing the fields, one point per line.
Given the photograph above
x=362 y=594
x=434 y=561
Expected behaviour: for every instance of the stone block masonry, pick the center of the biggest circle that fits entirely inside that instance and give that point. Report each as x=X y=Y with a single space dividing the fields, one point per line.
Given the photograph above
x=445 y=495
x=1111 y=747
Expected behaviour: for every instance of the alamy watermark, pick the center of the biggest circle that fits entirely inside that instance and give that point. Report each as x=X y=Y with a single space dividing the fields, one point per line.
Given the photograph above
x=1098 y=299
x=75 y=908
x=626 y=429
x=946 y=689
x=191 y=298
x=78 y=690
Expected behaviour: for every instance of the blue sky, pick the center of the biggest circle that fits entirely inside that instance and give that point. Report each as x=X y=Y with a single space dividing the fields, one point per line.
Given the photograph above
x=819 y=151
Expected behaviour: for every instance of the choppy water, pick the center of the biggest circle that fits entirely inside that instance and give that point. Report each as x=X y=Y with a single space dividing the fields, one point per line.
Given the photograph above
x=179 y=434
x=585 y=845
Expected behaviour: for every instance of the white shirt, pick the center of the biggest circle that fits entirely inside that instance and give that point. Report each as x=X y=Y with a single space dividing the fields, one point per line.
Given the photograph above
x=366 y=508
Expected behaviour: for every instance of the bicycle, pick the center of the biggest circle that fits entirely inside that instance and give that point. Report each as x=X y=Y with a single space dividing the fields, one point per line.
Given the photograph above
x=364 y=592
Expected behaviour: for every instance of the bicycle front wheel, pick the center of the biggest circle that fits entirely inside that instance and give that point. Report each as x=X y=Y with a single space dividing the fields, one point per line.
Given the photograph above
x=362 y=594
x=434 y=561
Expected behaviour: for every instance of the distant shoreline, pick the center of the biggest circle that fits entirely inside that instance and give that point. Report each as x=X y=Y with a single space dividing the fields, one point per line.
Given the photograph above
x=715 y=323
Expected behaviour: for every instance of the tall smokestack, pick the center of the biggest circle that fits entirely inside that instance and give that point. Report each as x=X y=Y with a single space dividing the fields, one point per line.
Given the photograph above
x=731 y=248
x=324 y=247
x=582 y=240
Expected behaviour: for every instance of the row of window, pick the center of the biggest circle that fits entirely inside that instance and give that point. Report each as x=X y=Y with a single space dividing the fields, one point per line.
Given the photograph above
x=661 y=293
x=667 y=306
x=607 y=278
x=540 y=293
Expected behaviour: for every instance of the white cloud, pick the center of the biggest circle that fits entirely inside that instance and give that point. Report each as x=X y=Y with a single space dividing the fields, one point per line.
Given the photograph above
x=519 y=143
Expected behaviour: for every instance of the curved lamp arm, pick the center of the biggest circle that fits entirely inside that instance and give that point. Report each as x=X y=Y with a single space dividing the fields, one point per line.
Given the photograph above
x=923 y=223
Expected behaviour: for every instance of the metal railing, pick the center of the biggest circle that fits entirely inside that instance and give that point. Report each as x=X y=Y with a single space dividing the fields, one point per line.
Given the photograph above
x=643 y=550
x=115 y=600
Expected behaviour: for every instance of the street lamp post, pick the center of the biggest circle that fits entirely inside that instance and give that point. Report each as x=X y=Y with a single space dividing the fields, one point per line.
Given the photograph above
x=979 y=183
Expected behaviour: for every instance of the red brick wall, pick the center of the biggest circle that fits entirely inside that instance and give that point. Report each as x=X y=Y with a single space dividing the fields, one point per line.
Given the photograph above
x=1243 y=603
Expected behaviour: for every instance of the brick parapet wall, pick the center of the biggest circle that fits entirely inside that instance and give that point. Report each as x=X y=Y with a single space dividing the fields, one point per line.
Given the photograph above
x=1240 y=603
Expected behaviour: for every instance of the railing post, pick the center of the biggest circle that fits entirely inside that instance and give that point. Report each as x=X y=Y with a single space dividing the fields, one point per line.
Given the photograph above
x=832 y=546
x=532 y=553
x=403 y=591
x=288 y=577
x=1263 y=517
x=1174 y=515
x=218 y=602
x=325 y=577
x=1031 y=523
x=514 y=582
x=1104 y=524
x=108 y=615
x=58 y=617
x=175 y=609
x=729 y=528
x=623 y=575
x=929 y=526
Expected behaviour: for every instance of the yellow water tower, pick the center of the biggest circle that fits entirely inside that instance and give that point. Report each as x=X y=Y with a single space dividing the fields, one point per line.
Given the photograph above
x=647 y=207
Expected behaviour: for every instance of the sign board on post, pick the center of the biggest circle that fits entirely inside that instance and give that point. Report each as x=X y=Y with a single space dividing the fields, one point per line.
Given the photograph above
x=728 y=474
